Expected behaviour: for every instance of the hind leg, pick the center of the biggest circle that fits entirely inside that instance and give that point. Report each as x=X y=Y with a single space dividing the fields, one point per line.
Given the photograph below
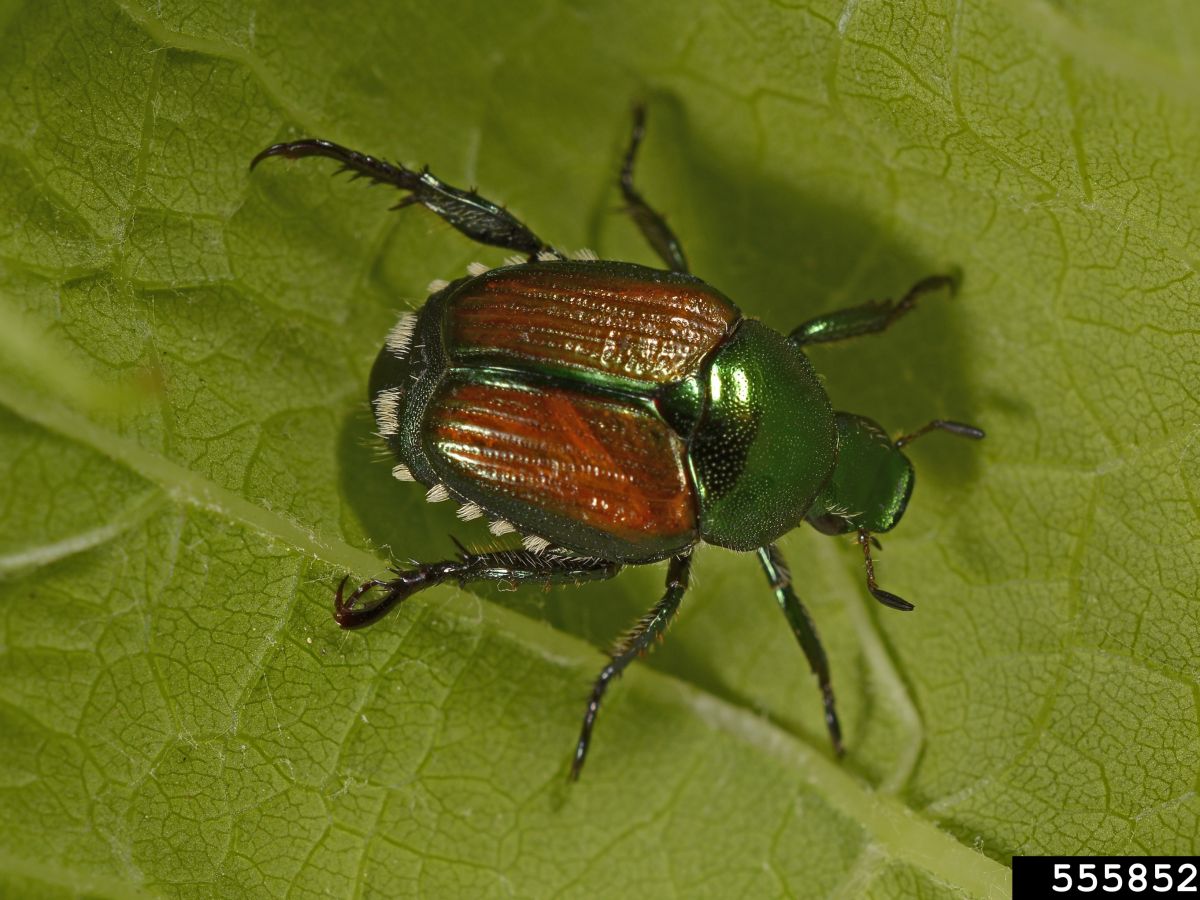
x=514 y=566
x=477 y=217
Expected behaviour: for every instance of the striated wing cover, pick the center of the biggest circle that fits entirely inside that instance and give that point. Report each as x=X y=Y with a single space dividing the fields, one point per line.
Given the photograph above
x=602 y=321
x=553 y=460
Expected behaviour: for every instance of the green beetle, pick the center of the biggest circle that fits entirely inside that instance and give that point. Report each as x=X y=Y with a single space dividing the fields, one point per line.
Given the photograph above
x=615 y=414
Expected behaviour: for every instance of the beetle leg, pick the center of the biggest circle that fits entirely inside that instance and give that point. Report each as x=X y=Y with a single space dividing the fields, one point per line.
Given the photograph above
x=806 y=633
x=516 y=566
x=477 y=217
x=885 y=597
x=868 y=318
x=638 y=640
x=653 y=226
x=959 y=428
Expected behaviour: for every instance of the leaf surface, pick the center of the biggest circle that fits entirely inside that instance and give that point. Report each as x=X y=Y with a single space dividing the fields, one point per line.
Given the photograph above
x=184 y=440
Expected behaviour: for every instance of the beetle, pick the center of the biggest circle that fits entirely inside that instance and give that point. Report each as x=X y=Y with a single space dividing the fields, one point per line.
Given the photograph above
x=615 y=414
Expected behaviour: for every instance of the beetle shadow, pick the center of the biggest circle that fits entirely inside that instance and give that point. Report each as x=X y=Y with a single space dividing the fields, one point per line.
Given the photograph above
x=770 y=246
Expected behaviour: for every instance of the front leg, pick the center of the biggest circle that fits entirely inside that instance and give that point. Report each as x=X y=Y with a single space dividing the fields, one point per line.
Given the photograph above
x=639 y=639
x=869 y=318
x=806 y=634
x=477 y=217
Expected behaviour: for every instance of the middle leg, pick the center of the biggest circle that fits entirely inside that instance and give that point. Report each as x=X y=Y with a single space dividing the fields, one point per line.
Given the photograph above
x=639 y=639
x=654 y=227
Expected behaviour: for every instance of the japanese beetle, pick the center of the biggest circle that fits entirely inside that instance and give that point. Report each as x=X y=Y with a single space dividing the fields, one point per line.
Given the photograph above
x=615 y=414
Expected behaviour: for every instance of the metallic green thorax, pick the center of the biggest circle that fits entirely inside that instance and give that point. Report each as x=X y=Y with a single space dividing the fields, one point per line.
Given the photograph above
x=765 y=442
x=871 y=484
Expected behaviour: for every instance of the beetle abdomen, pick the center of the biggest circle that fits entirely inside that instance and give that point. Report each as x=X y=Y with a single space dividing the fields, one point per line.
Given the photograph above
x=605 y=476
x=609 y=322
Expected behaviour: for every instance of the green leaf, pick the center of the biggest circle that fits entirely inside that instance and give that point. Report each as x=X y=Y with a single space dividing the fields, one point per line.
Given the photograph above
x=187 y=474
